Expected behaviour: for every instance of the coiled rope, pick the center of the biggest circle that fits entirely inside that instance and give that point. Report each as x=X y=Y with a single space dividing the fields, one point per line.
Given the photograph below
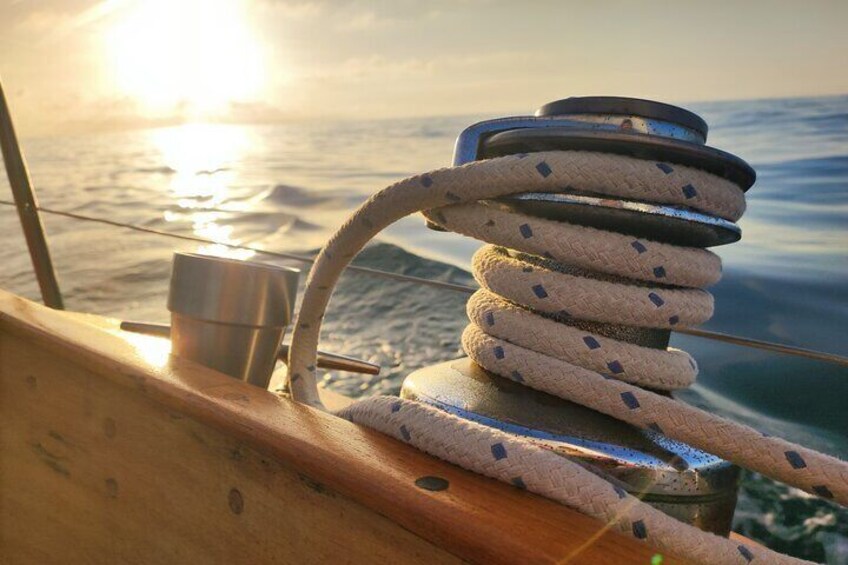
x=559 y=272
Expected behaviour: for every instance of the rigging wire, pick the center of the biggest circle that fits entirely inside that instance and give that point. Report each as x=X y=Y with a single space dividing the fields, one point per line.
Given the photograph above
x=455 y=287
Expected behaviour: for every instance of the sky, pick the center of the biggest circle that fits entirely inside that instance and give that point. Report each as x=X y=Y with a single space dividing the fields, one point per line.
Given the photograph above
x=79 y=65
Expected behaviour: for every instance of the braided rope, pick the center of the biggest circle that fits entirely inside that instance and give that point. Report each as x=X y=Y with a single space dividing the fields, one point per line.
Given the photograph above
x=645 y=366
x=587 y=248
x=521 y=463
x=585 y=298
x=581 y=277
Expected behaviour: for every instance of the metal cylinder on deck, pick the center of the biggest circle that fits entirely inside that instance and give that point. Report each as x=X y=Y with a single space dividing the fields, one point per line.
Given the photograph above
x=693 y=486
x=230 y=315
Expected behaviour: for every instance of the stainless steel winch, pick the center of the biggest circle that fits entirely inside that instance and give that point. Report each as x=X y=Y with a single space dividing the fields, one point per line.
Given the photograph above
x=695 y=487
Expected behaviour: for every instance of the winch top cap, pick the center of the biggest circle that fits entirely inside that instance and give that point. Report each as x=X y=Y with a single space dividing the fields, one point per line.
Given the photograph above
x=623 y=106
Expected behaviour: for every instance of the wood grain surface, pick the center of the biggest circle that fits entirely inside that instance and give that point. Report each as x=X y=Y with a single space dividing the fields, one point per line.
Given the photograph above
x=113 y=451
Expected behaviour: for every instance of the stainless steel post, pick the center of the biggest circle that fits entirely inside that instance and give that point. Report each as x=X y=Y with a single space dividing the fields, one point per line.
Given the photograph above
x=230 y=315
x=25 y=201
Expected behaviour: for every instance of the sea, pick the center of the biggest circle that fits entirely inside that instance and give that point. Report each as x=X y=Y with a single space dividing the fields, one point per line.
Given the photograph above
x=286 y=187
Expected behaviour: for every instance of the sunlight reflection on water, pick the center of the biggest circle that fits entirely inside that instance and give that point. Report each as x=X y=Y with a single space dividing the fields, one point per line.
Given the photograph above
x=202 y=159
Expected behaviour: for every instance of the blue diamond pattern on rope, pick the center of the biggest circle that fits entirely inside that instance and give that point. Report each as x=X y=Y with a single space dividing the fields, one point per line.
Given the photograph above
x=540 y=291
x=659 y=272
x=746 y=553
x=519 y=482
x=544 y=169
x=517 y=377
x=689 y=191
x=490 y=318
x=591 y=342
x=656 y=299
x=499 y=352
x=795 y=459
x=405 y=433
x=526 y=231
x=498 y=451
x=822 y=491
x=630 y=400
x=619 y=491
x=638 y=246
x=665 y=167
x=673 y=321
x=396 y=406
x=426 y=181
x=615 y=367
x=639 y=529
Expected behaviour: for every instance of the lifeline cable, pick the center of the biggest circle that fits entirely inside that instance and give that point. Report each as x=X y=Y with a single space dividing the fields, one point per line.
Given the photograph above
x=454 y=287
x=513 y=332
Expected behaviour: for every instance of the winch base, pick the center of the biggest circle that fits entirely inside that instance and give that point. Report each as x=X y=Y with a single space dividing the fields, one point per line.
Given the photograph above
x=686 y=483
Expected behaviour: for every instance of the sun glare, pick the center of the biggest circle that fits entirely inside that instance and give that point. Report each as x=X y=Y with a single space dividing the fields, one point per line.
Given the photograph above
x=190 y=56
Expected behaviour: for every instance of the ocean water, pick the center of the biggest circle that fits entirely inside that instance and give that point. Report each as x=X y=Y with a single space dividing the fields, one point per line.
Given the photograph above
x=285 y=188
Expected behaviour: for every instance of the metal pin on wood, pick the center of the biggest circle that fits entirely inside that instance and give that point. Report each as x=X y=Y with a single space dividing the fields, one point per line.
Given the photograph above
x=332 y=361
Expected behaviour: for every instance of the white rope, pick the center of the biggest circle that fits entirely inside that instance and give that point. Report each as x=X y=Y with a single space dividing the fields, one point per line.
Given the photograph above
x=525 y=465
x=568 y=274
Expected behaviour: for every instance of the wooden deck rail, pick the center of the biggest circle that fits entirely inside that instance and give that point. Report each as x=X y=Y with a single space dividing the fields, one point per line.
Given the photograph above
x=113 y=451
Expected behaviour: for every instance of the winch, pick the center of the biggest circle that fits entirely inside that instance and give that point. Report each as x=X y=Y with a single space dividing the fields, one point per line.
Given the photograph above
x=578 y=307
x=689 y=484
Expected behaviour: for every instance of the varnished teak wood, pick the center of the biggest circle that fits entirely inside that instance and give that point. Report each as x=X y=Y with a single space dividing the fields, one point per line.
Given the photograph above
x=111 y=455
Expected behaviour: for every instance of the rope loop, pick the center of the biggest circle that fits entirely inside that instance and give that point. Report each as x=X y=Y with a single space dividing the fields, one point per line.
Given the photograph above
x=539 y=279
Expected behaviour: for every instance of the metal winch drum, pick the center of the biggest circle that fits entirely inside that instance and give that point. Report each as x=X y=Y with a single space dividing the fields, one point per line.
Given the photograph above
x=693 y=486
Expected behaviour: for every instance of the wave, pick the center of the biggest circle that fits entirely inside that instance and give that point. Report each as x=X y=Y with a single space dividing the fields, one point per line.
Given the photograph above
x=163 y=170
x=273 y=221
x=299 y=197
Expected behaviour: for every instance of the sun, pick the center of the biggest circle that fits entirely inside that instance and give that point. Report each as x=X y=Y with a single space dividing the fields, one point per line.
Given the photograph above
x=194 y=57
